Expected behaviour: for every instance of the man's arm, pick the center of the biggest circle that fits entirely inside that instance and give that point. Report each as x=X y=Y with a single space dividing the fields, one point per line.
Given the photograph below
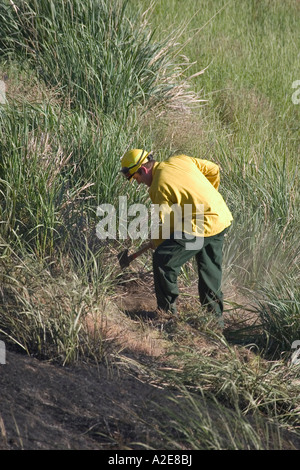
x=210 y=170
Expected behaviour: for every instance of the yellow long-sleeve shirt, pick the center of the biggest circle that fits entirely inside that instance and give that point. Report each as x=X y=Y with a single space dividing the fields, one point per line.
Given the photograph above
x=181 y=181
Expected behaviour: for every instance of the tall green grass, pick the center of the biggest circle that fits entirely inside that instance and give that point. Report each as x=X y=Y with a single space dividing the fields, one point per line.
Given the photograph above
x=278 y=307
x=94 y=53
x=56 y=168
x=61 y=160
x=60 y=153
x=249 y=126
x=46 y=314
x=240 y=380
x=213 y=426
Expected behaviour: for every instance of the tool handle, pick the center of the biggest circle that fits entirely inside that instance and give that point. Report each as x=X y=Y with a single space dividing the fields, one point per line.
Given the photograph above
x=140 y=251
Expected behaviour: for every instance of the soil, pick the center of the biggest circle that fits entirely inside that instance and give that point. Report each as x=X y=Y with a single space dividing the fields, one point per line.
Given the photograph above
x=45 y=406
x=88 y=406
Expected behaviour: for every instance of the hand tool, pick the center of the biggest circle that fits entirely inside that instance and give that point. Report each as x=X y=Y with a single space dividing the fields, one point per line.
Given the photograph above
x=125 y=259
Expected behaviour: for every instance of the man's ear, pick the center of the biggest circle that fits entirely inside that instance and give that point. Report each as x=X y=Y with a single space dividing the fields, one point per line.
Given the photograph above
x=143 y=170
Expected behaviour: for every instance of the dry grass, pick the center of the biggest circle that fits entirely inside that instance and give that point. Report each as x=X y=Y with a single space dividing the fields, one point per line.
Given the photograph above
x=3 y=437
x=23 y=86
x=125 y=335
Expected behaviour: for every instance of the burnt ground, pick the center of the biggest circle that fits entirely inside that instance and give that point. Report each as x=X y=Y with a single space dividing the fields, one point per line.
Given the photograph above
x=89 y=406
x=45 y=406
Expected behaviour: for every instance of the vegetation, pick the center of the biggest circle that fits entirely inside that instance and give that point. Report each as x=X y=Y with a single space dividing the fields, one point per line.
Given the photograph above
x=88 y=80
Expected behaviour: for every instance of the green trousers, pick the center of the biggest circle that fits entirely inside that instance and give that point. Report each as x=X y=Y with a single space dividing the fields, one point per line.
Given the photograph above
x=169 y=257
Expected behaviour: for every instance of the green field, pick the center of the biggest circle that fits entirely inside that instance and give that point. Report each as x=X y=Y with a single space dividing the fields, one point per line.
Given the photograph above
x=215 y=79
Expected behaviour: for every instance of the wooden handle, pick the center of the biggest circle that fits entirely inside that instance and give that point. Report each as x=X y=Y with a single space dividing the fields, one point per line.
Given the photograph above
x=140 y=251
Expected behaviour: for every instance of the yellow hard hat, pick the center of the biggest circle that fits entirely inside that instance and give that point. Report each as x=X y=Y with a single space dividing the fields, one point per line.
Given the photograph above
x=132 y=161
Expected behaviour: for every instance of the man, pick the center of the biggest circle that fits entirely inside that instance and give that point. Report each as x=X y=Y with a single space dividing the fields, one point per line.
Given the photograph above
x=184 y=182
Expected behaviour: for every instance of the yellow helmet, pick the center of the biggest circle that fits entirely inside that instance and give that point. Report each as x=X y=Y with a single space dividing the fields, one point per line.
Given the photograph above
x=132 y=161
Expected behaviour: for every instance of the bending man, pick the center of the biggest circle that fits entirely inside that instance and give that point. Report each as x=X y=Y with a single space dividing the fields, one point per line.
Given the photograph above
x=184 y=182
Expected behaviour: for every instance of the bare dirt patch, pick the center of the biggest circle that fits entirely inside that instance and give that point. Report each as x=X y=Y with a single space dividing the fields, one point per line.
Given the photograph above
x=45 y=406
x=117 y=405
